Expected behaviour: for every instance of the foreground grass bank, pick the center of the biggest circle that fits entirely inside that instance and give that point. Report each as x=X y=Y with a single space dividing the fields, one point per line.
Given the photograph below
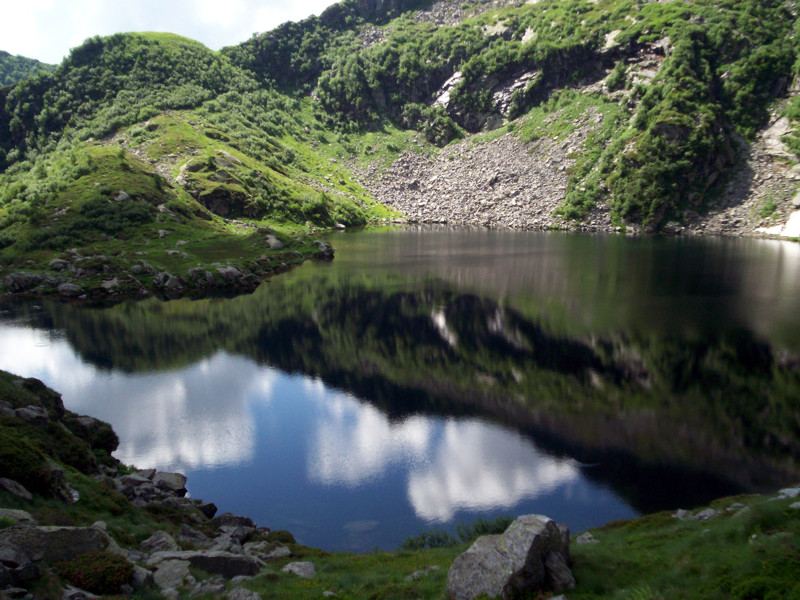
x=741 y=547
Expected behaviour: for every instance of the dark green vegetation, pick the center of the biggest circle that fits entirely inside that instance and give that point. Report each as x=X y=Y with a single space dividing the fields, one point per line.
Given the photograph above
x=17 y=68
x=747 y=550
x=439 y=538
x=194 y=137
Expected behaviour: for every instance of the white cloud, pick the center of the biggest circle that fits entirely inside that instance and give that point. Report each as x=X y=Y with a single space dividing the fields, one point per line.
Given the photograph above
x=46 y=30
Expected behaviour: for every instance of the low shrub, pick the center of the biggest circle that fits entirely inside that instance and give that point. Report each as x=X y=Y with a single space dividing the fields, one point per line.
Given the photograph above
x=98 y=572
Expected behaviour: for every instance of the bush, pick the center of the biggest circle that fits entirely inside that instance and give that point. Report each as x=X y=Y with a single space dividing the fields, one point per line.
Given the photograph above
x=281 y=536
x=433 y=538
x=469 y=533
x=99 y=572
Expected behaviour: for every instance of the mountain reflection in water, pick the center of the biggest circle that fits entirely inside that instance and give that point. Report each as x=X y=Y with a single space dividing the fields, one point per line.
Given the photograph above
x=437 y=377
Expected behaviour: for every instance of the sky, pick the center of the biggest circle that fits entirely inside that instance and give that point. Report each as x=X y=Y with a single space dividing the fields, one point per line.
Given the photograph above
x=47 y=29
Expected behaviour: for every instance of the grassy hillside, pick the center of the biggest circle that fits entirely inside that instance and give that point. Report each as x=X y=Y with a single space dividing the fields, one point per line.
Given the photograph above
x=138 y=134
x=14 y=69
x=272 y=131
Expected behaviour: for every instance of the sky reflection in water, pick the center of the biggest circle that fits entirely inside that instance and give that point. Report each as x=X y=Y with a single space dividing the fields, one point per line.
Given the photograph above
x=293 y=453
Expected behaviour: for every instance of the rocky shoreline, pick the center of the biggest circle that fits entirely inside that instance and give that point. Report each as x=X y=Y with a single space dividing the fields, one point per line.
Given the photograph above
x=230 y=548
x=98 y=277
x=507 y=183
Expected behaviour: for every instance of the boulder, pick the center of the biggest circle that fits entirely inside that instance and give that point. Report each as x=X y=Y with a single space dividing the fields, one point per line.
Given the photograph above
x=267 y=550
x=55 y=544
x=17 y=489
x=230 y=274
x=58 y=264
x=141 y=578
x=173 y=482
x=160 y=541
x=231 y=520
x=237 y=532
x=226 y=543
x=32 y=414
x=274 y=243
x=19 y=516
x=586 y=538
x=191 y=536
x=212 y=586
x=70 y=290
x=558 y=576
x=11 y=556
x=5 y=576
x=171 y=573
x=73 y=593
x=212 y=561
x=209 y=509
x=324 y=249
x=304 y=570
x=25 y=572
x=532 y=554
x=21 y=282
x=241 y=593
x=146 y=473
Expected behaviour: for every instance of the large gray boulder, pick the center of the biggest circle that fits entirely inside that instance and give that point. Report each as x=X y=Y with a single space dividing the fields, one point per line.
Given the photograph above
x=160 y=541
x=70 y=290
x=171 y=573
x=171 y=482
x=304 y=570
x=54 y=544
x=531 y=555
x=212 y=561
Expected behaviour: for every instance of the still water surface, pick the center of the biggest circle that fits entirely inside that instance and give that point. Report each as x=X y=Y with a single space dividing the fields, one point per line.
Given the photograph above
x=426 y=378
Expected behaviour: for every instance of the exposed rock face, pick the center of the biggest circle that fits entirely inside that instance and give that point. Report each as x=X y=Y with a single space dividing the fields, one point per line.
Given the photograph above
x=502 y=183
x=532 y=554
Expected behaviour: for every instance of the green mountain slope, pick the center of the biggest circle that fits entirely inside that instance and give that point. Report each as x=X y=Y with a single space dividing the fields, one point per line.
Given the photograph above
x=280 y=129
x=17 y=68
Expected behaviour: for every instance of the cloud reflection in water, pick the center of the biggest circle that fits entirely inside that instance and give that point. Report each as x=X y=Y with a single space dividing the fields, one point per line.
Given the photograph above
x=452 y=464
x=200 y=417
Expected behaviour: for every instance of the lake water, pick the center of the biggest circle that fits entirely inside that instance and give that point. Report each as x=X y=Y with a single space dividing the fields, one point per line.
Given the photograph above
x=428 y=377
